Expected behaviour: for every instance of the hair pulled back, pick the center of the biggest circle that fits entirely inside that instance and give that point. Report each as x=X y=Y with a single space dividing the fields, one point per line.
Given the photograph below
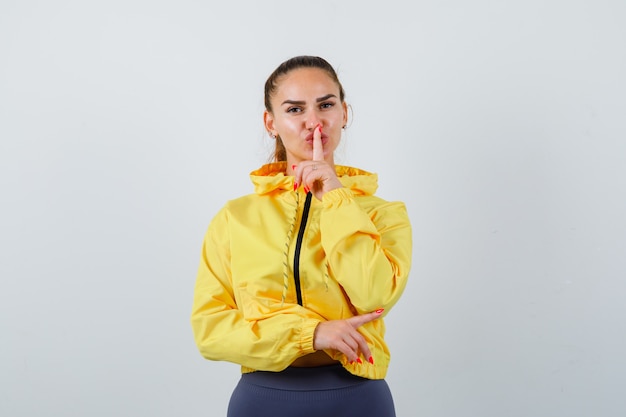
x=271 y=85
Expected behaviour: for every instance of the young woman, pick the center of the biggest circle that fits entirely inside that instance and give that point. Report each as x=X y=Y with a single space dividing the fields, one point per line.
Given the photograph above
x=294 y=279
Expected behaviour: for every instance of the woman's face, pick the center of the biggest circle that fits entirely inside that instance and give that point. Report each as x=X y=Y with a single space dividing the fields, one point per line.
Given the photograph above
x=304 y=98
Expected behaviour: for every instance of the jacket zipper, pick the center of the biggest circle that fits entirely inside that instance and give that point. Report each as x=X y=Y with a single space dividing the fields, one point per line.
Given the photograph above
x=296 y=258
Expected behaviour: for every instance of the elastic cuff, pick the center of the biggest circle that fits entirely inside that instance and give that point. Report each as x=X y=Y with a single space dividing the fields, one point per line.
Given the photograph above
x=337 y=196
x=306 y=335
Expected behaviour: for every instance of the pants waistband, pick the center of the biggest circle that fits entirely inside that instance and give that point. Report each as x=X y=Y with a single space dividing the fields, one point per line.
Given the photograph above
x=305 y=379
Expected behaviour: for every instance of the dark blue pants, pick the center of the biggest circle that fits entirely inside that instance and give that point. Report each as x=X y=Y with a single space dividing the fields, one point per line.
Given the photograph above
x=310 y=392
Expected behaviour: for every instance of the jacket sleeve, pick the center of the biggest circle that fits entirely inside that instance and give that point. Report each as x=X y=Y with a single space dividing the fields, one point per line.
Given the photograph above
x=220 y=329
x=368 y=251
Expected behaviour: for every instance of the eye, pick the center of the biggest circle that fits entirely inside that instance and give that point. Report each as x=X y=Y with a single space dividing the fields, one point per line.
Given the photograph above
x=294 y=109
x=327 y=105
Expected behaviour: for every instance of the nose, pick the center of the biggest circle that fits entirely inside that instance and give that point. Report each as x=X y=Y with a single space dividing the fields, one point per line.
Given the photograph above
x=313 y=120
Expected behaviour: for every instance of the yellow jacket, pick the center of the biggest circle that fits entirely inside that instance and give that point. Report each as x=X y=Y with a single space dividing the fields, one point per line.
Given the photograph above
x=354 y=255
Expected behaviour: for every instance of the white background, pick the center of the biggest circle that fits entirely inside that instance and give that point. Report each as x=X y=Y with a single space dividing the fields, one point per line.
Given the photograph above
x=125 y=126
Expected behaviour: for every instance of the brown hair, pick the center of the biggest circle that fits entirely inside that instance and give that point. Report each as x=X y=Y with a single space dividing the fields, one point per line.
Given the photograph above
x=303 y=61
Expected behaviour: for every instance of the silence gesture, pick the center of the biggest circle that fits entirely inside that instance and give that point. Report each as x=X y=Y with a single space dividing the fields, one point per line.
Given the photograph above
x=317 y=176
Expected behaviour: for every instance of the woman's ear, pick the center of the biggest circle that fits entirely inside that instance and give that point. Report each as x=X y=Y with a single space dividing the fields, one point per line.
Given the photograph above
x=268 y=121
x=345 y=114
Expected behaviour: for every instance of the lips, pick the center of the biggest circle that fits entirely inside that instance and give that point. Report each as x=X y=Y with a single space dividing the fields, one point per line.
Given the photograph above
x=309 y=138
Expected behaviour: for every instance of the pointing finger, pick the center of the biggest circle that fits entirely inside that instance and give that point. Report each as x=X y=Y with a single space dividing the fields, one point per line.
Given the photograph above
x=360 y=320
x=318 y=148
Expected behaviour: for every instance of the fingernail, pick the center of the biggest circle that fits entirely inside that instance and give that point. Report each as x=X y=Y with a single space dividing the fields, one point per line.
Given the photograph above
x=295 y=186
x=359 y=361
x=320 y=128
x=380 y=311
x=351 y=362
x=371 y=360
x=306 y=189
x=293 y=167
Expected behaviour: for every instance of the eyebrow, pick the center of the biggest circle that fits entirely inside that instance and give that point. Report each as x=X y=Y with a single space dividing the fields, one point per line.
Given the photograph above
x=301 y=102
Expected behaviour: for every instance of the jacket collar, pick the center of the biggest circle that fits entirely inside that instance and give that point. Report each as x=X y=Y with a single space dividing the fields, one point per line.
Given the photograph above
x=271 y=177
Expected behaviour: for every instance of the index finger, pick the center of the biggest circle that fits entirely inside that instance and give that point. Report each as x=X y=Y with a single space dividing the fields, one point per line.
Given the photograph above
x=318 y=147
x=360 y=320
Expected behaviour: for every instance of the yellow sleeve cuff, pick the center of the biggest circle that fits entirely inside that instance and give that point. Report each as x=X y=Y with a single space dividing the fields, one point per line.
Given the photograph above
x=337 y=196
x=307 y=334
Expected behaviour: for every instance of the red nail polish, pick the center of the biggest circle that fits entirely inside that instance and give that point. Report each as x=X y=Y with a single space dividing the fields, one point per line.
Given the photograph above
x=295 y=186
x=371 y=360
x=320 y=128
x=380 y=311
x=306 y=189
x=359 y=361
x=293 y=167
x=351 y=362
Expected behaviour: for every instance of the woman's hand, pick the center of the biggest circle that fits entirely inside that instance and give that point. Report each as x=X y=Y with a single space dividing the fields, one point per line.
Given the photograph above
x=342 y=335
x=317 y=175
